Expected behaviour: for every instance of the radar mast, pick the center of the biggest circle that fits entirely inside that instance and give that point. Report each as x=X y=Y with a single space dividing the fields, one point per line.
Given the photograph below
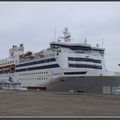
x=67 y=36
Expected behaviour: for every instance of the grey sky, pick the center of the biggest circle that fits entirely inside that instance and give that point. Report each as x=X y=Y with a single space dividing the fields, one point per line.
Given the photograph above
x=33 y=23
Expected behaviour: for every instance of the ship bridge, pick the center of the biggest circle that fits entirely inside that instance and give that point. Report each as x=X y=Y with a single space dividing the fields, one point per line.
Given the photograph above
x=76 y=46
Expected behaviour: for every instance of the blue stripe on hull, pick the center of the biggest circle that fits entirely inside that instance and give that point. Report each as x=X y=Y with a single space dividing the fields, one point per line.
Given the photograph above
x=38 y=68
x=36 y=62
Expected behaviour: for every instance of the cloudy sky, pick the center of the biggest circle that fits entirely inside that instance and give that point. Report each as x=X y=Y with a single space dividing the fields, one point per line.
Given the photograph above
x=33 y=24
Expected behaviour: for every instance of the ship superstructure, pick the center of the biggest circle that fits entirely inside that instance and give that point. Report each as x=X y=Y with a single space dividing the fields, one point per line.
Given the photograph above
x=62 y=61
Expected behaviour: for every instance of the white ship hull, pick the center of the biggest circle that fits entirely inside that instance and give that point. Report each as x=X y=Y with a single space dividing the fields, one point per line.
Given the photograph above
x=87 y=84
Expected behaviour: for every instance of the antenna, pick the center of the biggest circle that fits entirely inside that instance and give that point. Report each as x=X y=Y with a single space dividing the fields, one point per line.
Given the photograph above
x=54 y=33
x=102 y=42
x=97 y=45
x=85 y=41
x=82 y=38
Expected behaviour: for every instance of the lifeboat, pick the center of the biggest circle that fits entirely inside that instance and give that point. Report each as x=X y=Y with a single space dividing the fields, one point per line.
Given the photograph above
x=1 y=69
x=7 y=69
x=12 y=67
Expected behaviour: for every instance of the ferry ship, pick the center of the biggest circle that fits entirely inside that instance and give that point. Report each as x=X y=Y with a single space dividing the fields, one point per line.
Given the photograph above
x=63 y=66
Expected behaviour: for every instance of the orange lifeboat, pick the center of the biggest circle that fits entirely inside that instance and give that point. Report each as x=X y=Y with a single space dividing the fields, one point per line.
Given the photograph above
x=6 y=68
x=12 y=67
x=1 y=69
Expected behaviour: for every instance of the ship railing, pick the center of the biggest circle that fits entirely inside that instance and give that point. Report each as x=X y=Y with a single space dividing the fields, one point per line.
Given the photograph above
x=26 y=59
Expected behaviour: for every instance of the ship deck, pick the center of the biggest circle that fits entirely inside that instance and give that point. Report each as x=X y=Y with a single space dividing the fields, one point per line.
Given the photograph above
x=47 y=103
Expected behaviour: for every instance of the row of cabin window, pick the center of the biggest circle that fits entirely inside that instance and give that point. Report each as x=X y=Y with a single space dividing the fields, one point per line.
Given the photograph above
x=85 y=66
x=84 y=48
x=51 y=55
x=33 y=79
x=8 y=63
x=33 y=73
x=75 y=73
x=84 y=59
x=6 y=72
x=3 y=79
